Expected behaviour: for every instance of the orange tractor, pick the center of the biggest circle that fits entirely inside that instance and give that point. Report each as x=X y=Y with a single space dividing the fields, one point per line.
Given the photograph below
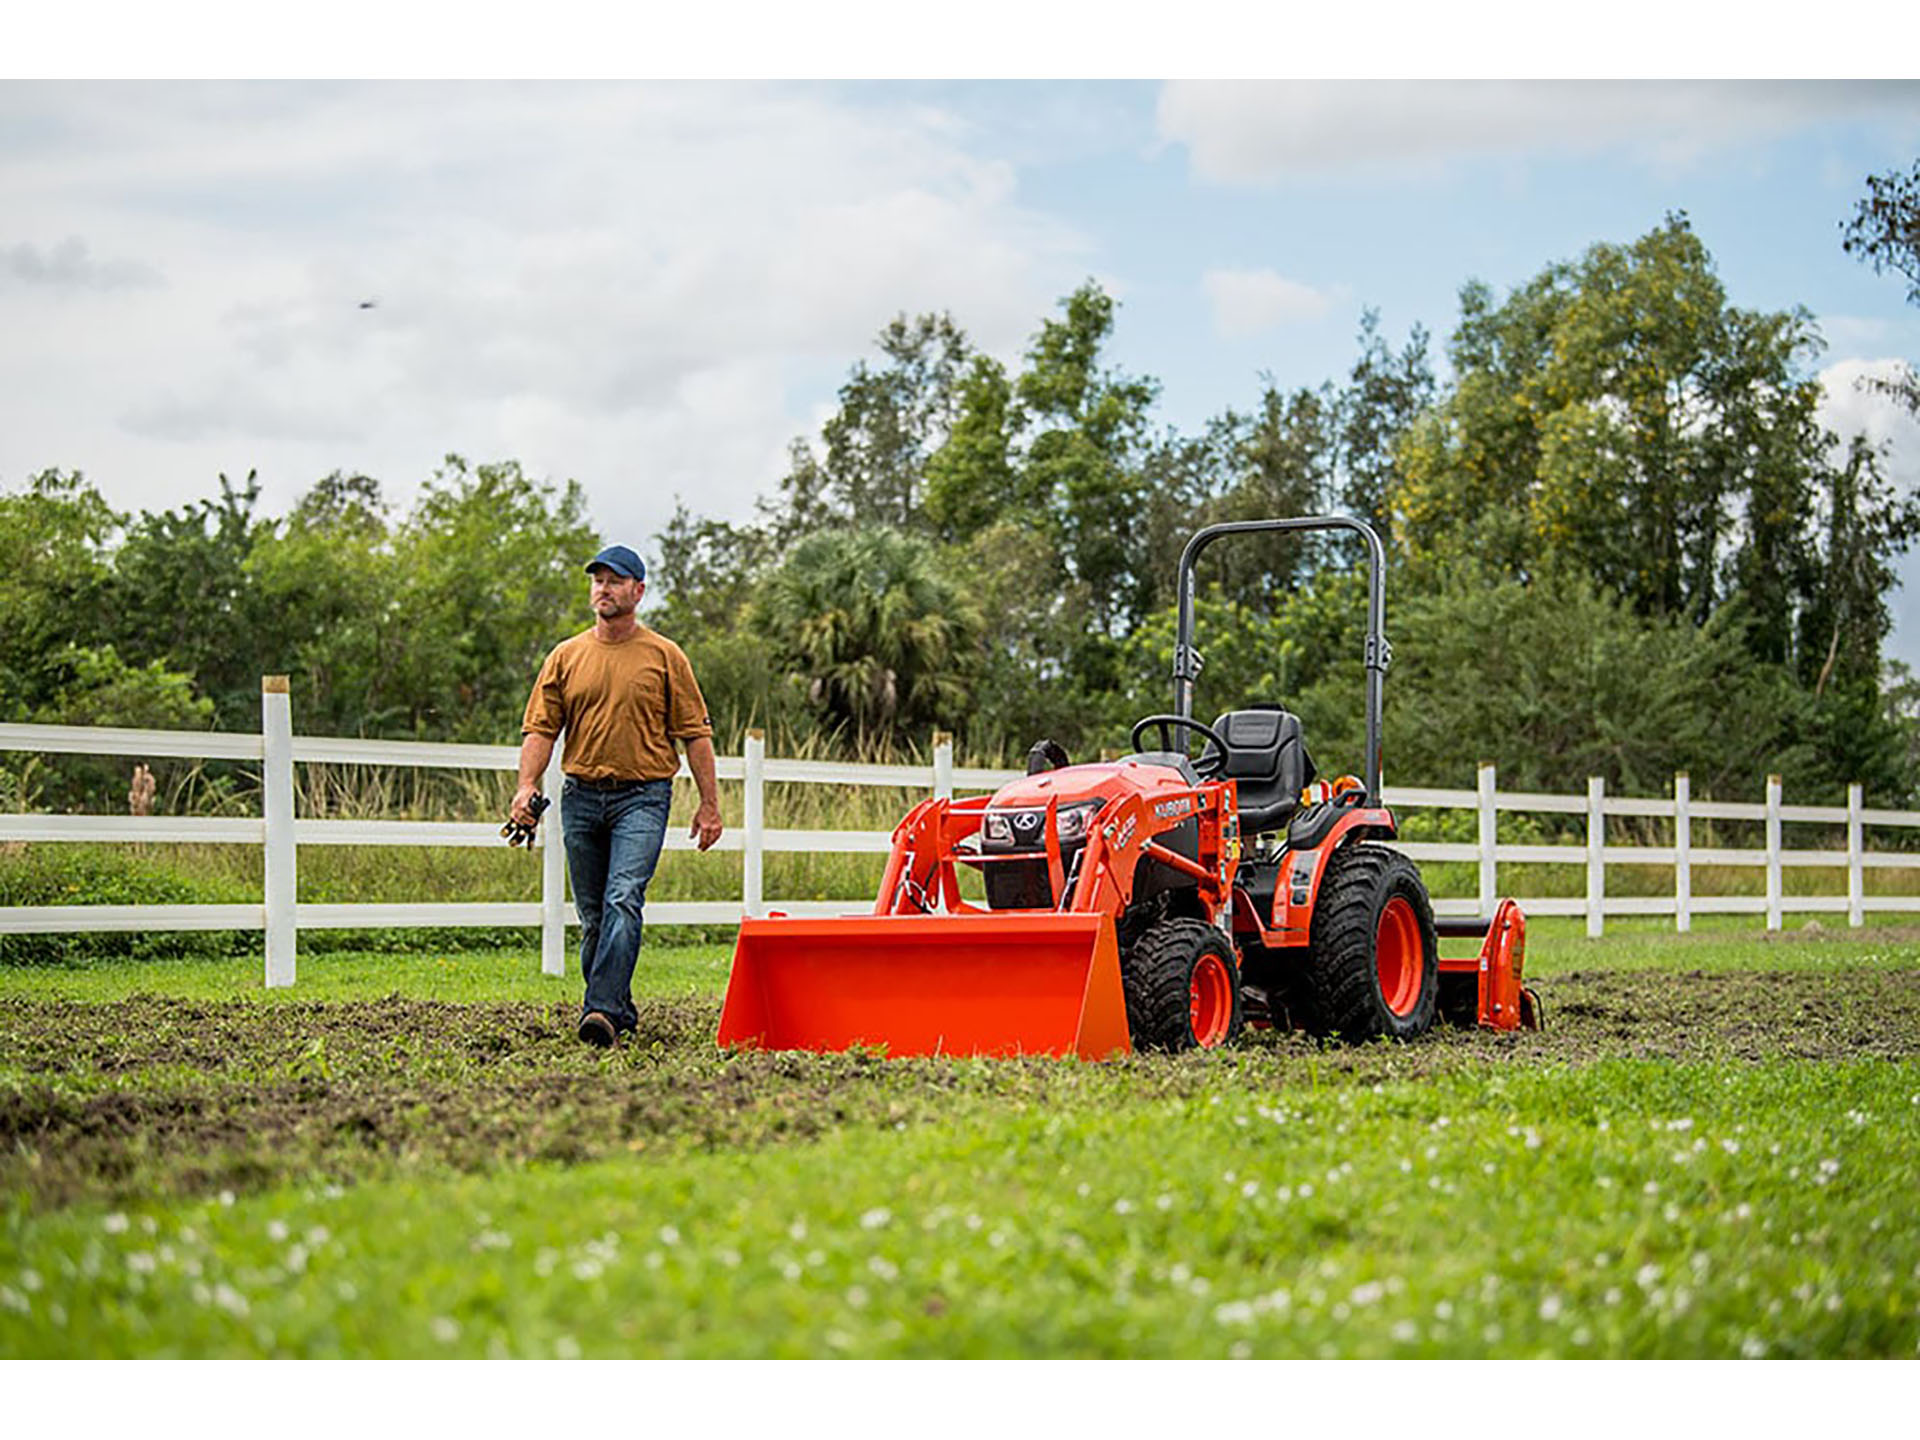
x=1159 y=901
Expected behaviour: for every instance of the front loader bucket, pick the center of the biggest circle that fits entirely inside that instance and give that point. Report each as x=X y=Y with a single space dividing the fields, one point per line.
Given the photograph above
x=1005 y=984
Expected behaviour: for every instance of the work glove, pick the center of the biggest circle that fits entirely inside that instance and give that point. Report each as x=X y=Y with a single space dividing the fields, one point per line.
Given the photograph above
x=517 y=834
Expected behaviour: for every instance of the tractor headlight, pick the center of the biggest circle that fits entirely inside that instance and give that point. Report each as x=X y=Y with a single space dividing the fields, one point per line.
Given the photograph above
x=1076 y=820
x=997 y=828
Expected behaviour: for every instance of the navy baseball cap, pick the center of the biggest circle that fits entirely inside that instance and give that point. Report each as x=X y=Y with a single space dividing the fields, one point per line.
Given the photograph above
x=620 y=560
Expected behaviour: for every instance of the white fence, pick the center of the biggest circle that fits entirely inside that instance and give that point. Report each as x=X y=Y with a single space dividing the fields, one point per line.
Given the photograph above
x=280 y=833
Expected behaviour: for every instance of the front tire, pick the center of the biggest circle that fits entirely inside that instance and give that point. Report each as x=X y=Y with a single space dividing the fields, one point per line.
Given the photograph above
x=1182 y=987
x=1374 y=965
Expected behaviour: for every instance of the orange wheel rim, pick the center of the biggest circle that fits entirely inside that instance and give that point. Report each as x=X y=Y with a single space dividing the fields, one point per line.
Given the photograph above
x=1210 y=1001
x=1399 y=957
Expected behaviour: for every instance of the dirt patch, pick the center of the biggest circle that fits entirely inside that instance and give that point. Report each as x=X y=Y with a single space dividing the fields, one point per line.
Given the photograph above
x=190 y=1097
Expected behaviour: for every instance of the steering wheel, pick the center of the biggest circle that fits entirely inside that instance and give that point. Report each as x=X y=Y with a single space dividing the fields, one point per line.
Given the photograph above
x=1210 y=763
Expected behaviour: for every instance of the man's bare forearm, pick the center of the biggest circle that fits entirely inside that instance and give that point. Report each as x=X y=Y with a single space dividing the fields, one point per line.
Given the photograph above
x=535 y=752
x=700 y=762
x=706 y=819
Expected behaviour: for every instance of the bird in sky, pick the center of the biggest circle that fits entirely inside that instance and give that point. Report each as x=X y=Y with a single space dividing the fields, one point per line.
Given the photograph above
x=368 y=304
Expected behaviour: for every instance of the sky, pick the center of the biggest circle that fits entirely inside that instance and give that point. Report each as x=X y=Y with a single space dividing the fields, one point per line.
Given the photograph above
x=654 y=287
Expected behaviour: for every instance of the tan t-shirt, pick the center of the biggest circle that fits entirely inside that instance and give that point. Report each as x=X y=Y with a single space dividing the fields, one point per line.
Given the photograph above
x=621 y=703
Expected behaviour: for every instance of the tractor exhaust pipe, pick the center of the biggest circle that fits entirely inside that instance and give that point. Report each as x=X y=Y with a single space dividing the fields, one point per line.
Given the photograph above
x=1186 y=661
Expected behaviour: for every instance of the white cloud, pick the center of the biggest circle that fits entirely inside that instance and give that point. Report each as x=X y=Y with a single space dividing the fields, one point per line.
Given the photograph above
x=1247 y=302
x=70 y=266
x=627 y=284
x=1257 y=131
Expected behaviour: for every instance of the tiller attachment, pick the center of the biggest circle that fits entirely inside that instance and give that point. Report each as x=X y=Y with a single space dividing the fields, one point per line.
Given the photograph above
x=969 y=984
x=1500 y=1000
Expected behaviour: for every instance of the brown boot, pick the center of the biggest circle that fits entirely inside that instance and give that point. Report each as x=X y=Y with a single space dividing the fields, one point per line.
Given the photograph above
x=596 y=1029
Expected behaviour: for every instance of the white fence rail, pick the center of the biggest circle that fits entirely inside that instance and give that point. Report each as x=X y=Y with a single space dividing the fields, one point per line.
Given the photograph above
x=281 y=834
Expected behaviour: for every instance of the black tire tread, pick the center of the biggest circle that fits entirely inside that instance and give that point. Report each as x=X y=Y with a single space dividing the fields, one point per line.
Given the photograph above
x=1342 y=981
x=1156 y=974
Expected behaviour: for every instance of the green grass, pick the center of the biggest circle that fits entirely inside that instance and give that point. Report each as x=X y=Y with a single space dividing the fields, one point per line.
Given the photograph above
x=1621 y=1210
x=1712 y=1153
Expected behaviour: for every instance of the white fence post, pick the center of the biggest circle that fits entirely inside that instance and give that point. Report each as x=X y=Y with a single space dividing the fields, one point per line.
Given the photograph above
x=276 y=784
x=553 y=875
x=1596 y=857
x=1682 y=853
x=943 y=765
x=1773 y=852
x=1856 y=877
x=752 y=869
x=1489 y=833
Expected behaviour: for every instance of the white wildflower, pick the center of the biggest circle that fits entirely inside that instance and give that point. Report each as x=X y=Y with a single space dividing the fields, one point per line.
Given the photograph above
x=276 y=1230
x=669 y=1235
x=1550 y=1307
x=883 y=1267
x=114 y=1224
x=876 y=1218
x=444 y=1329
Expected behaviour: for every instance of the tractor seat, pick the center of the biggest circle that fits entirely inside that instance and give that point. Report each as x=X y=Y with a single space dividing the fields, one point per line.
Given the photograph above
x=1267 y=757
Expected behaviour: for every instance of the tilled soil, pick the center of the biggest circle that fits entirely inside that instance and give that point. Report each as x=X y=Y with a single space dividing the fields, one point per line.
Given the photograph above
x=192 y=1097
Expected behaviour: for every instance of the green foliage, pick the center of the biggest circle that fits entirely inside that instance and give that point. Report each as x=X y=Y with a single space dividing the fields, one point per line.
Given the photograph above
x=99 y=875
x=872 y=632
x=55 y=539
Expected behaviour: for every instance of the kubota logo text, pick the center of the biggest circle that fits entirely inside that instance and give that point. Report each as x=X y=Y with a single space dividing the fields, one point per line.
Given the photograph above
x=1167 y=809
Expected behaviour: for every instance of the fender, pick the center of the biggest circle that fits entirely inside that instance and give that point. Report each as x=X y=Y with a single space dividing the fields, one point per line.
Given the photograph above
x=1301 y=871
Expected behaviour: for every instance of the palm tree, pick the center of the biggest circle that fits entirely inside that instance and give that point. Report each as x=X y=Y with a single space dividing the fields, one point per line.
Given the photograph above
x=878 y=638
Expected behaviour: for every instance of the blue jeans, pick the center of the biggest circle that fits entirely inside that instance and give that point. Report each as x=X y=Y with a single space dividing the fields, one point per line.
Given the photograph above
x=613 y=842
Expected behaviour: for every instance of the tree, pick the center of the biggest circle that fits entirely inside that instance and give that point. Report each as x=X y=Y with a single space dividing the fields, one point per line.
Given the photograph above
x=889 y=421
x=1081 y=462
x=974 y=480
x=330 y=575
x=1384 y=394
x=873 y=634
x=1617 y=417
x=490 y=562
x=181 y=596
x=55 y=573
x=1885 y=232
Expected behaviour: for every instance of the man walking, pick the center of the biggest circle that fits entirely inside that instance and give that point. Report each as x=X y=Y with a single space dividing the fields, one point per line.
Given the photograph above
x=622 y=694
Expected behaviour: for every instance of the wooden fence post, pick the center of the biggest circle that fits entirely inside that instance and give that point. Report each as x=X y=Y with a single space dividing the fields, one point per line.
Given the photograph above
x=1489 y=833
x=1773 y=852
x=753 y=860
x=1682 y=853
x=553 y=874
x=1596 y=857
x=1856 y=877
x=276 y=785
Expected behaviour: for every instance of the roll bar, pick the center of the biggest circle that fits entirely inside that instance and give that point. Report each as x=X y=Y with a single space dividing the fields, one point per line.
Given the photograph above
x=1186 y=660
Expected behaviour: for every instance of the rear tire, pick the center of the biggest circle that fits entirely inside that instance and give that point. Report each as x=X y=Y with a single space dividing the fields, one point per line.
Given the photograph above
x=1182 y=987
x=1374 y=965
